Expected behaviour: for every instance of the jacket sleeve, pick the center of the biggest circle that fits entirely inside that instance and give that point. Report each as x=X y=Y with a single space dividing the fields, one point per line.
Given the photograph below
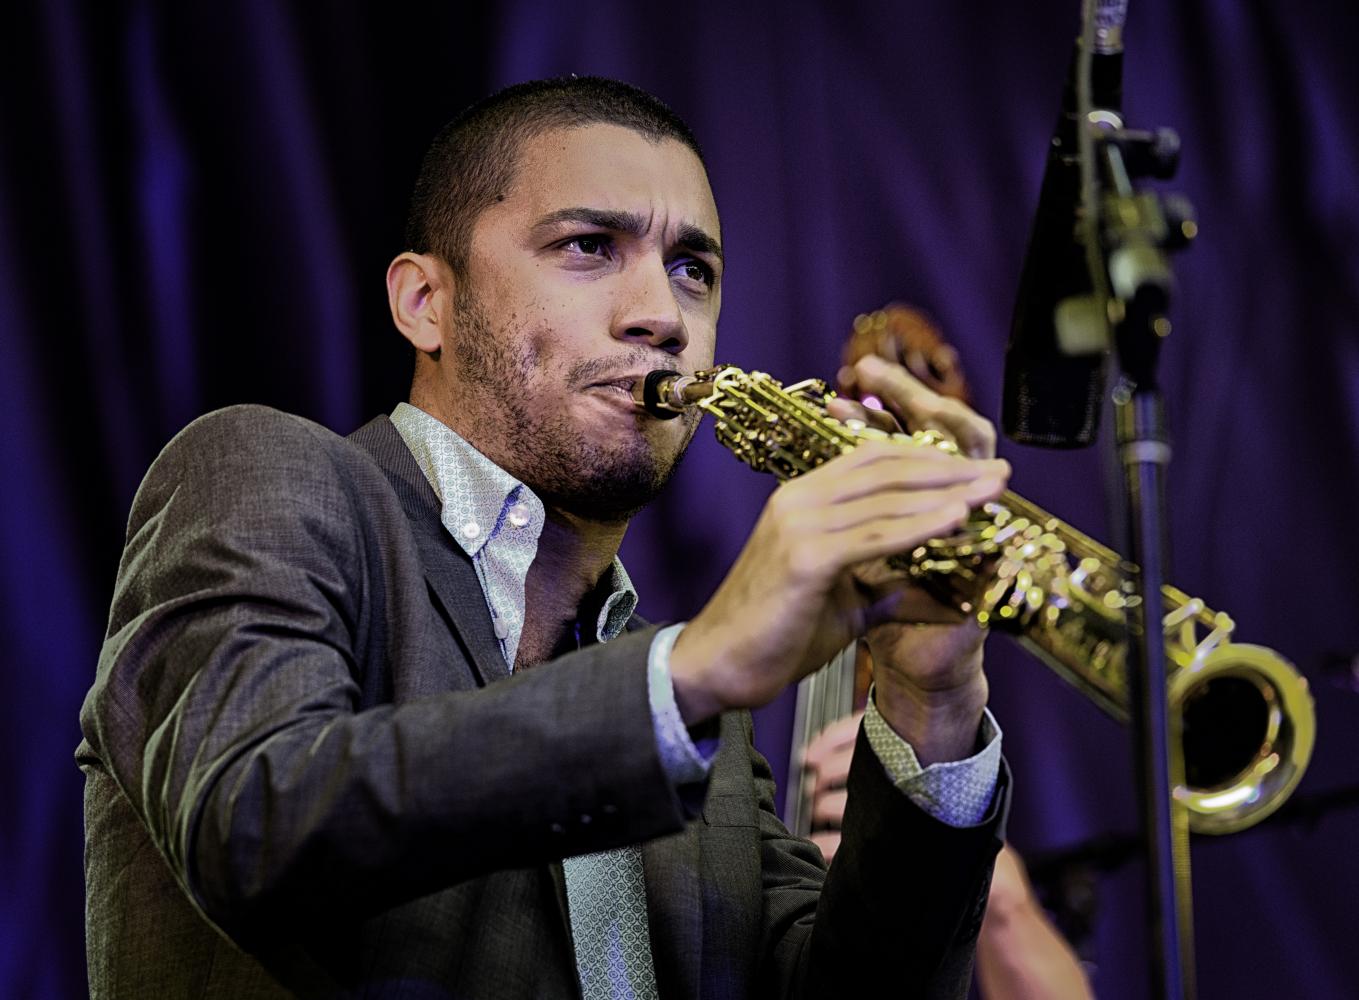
x=229 y=704
x=902 y=903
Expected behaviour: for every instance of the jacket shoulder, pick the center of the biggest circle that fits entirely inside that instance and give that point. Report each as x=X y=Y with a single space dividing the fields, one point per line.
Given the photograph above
x=251 y=447
x=252 y=428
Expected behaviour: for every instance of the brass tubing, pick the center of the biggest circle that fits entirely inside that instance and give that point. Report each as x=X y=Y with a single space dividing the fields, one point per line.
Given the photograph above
x=1062 y=594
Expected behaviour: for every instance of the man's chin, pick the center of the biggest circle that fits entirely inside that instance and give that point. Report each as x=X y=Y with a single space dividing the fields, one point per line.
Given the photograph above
x=584 y=464
x=612 y=484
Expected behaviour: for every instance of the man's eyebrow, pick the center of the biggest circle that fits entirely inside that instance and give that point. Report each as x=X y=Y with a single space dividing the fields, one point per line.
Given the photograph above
x=628 y=223
x=691 y=237
x=694 y=239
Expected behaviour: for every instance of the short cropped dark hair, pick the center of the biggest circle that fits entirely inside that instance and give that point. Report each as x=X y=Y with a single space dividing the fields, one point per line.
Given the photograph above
x=473 y=159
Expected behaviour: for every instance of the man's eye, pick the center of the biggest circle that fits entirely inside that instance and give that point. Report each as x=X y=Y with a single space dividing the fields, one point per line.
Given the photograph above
x=590 y=246
x=693 y=270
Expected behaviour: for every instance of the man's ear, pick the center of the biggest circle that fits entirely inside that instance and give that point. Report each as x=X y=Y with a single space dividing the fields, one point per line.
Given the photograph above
x=419 y=292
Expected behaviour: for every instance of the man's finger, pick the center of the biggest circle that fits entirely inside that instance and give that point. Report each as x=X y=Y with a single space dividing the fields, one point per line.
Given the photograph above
x=830 y=771
x=828 y=841
x=879 y=466
x=828 y=809
x=893 y=503
x=844 y=410
x=920 y=408
x=834 y=738
x=844 y=732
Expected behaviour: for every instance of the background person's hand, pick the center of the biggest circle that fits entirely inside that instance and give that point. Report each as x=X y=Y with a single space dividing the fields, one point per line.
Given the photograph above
x=825 y=771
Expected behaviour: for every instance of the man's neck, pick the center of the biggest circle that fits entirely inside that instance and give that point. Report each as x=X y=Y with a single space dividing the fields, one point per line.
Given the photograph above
x=573 y=554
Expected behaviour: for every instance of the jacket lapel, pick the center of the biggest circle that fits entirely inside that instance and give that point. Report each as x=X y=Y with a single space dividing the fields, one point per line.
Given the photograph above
x=449 y=571
x=671 y=864
x=674 y=902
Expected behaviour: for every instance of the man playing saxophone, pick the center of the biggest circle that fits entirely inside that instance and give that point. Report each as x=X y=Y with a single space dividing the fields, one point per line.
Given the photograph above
x=375 y=715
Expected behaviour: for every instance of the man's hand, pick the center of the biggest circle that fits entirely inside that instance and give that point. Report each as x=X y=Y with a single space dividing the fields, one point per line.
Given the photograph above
x=1021 y=955
x=929 y=684
x=812 y=575
x=792 y=599
x=908 y=403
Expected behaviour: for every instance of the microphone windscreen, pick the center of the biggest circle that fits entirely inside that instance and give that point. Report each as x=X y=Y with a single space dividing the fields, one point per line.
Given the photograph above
x=1053 y=402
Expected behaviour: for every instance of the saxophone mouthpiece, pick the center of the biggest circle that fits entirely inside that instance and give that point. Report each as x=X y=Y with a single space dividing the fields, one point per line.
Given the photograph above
x=661 y=393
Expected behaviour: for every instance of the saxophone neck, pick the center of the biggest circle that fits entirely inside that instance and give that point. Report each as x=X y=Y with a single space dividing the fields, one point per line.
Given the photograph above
x=666 y=394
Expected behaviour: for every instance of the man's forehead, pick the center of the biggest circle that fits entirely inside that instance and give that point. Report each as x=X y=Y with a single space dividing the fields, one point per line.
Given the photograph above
x=613 y=168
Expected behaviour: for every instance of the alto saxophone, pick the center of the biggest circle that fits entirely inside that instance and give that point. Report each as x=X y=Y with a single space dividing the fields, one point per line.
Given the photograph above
x=1247 y=718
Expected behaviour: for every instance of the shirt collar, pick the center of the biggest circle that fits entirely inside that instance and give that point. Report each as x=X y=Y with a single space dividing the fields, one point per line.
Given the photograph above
x=619 y=605
x=474 y=494
x=473 y=491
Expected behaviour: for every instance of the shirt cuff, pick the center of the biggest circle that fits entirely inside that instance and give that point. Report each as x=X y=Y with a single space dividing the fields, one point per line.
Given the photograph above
x=685 y=762
x=956 y=792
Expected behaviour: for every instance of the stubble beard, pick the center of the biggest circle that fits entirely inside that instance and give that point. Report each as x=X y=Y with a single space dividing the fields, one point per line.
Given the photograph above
x=543 y=446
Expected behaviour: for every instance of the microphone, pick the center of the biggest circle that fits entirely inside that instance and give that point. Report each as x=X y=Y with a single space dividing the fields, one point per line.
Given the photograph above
x=1054 y=391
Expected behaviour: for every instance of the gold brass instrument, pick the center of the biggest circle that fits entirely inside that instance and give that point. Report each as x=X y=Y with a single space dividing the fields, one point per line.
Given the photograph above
x=1247 y=717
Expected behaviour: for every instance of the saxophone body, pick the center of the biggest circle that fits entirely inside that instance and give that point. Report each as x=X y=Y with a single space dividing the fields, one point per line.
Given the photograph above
x=1245 y=714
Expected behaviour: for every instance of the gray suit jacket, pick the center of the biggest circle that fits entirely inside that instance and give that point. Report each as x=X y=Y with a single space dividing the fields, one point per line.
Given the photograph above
x=309 y=772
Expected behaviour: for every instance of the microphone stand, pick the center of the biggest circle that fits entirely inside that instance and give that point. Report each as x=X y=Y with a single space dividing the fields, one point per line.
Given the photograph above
x=1133 y=230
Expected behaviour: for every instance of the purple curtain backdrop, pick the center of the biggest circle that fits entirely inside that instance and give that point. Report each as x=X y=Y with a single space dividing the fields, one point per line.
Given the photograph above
x=196 y=208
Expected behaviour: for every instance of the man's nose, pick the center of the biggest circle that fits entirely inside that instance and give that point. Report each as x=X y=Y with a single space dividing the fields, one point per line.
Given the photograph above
x=649 y=312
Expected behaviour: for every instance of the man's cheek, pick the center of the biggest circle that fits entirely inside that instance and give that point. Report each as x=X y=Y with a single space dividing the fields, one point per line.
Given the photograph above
x=534 y=348
x=702 y=344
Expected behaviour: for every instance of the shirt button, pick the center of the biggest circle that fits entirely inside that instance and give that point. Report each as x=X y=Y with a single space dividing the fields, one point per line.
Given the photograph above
x=502 y=631
x=471 y=529
x=519 y=515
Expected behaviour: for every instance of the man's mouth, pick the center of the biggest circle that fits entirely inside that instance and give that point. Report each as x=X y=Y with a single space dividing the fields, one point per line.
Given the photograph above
x=623 y=383
x=627 y=386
